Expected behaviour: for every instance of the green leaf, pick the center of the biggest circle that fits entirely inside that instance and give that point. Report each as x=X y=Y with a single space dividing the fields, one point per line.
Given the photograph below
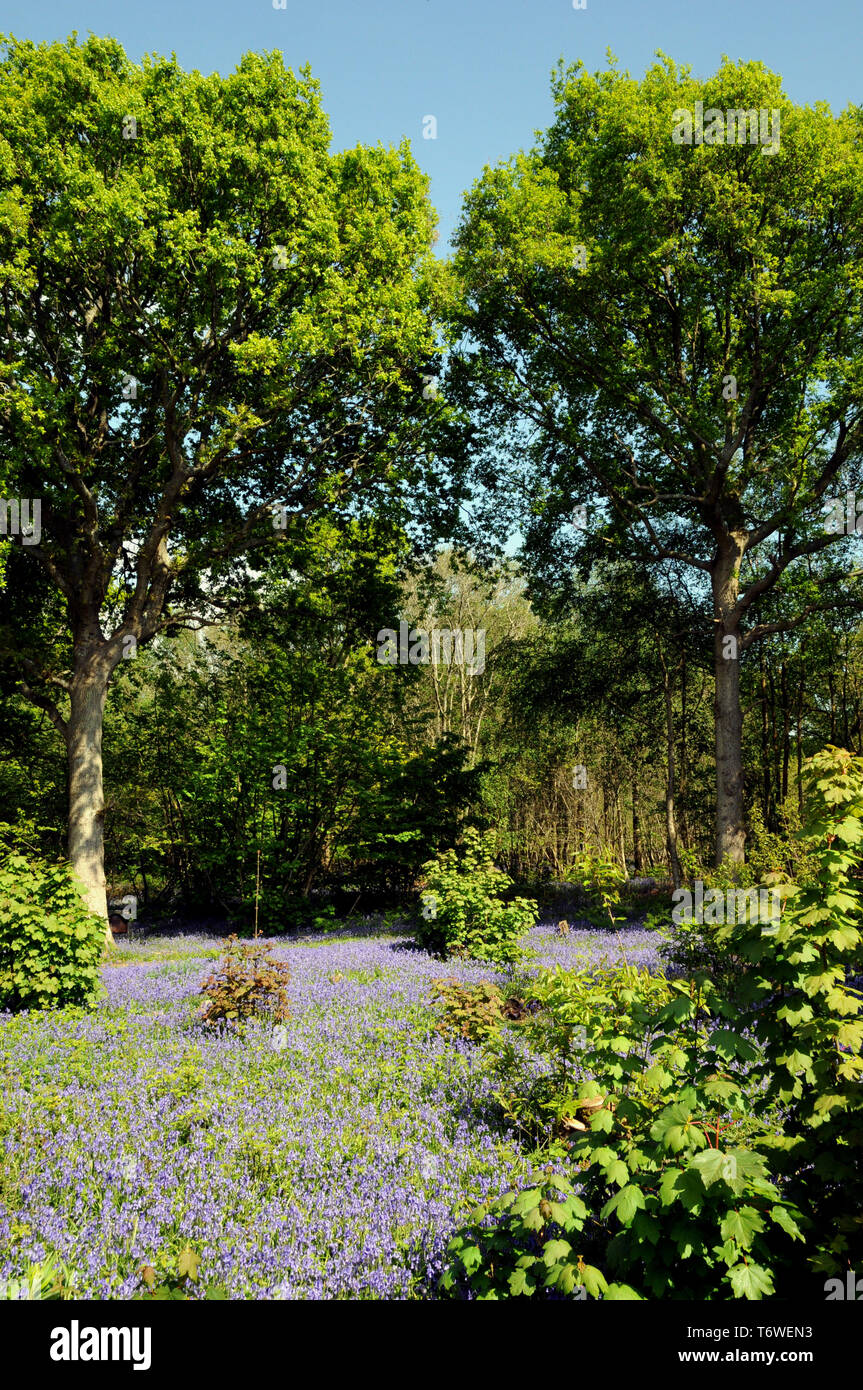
x=625 y=1204
x=750 y=1281
x=617 y=1171
x=783 y=1218
x=521 y=1284
x=602 y=1121
x=730 y=1045
x=592 y=1280
x=742 y=1225
x=555 y=1250
x=187 y=1264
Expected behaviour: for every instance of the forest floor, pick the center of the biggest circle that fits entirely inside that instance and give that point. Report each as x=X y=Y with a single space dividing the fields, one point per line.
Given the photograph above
x=334 y=1161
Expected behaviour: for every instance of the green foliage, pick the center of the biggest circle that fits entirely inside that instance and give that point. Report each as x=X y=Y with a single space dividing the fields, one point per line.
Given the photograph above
x=246 y=982
x=282 y=911
x=524 y=1246
x=651 y=1079
x=665 y=1135
x=601 y=878
x=277 y=738
x=180 y=1083
x=558 y=254
x=51 y=946
x=658 y=917
x=718 y=1145
x=723 y=876
x=803 y=979
x=468 y=914
x=270 y=296
x=778 y=856
x=775 y=863
x=580 y=1013
x=688 y=947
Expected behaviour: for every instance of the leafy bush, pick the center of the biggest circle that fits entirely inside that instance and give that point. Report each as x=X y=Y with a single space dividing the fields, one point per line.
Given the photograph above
x=803 y=981
x=569 y=1012
x=519 y=1248
x=51 y=945
x=648 y=1091
x=721 y=1158
x=476 y=1011
x=658 y=917
x=785 y=856
x=464 y=912
x=601 y=879
x=689 y=947
x=246 y=981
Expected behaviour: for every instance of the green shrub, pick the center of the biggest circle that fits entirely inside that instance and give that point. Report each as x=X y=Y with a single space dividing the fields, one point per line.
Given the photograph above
x=246 y=981
x=721 y=1156
x=658 y=917
x=689 y=947
x=575 y=1010
x=601 y=879
x=649 y=1092
x=803 y=980
x=525 y=1246
x=473 y=1011
x=51 y=945
x=786 y=856
x=464 y=912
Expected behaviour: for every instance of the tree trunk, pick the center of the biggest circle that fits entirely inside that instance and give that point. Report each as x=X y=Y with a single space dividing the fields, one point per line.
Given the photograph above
x=86 y=838
x=765 y=740
x=670 y=785
x=786 y=731
x=618 y=803
x=637 y=858
x=728 y=716
x=800 y=745
x=832 y=706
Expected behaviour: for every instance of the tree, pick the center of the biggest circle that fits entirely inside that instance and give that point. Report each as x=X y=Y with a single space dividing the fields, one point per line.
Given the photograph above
x=282 y=736
x=211 y=328
x=671 y=335
x=453 y=594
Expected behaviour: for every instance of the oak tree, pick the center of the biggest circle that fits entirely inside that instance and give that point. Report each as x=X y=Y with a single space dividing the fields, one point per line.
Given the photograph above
x=211 y=328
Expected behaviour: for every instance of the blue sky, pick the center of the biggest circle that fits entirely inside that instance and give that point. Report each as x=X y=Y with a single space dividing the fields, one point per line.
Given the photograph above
x=481 y=67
